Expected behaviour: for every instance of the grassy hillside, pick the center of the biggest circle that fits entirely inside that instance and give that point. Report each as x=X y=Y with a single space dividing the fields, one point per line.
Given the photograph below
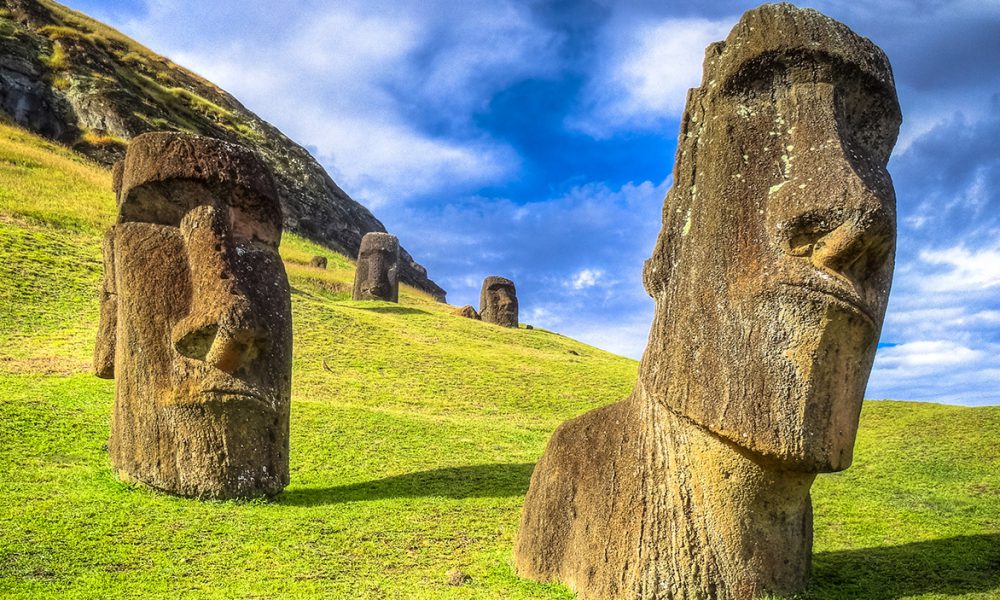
x=79 y=81
x=414 y=433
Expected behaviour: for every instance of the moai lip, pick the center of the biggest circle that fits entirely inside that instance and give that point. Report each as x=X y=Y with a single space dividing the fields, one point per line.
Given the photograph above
x=770 y=276
x=196 y=320
x=377 y=274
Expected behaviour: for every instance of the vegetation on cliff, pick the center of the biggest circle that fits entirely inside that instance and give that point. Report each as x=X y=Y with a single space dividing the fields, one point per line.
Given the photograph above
x=82 y=83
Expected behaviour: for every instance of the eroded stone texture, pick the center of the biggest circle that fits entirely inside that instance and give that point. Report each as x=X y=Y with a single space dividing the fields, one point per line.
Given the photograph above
x=376 y=276
x=196 y=313
x=318 y=262
x=468 y=312
x=498 y=301
x=770 y=276
x=117 y=172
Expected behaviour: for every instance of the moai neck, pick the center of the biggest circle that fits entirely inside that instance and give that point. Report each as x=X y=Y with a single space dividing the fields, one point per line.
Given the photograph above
x=723 y=523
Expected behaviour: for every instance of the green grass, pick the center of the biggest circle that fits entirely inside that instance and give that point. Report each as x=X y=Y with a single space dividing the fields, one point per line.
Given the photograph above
x=414 y=433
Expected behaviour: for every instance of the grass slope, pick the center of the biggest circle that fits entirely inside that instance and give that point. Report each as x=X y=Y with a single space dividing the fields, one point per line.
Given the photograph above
x=414 y=433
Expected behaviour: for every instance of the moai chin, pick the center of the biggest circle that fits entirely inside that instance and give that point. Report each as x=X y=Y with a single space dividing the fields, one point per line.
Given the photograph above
x=498 y=301
x=196 y=320
x=770 y=277
x=376 y=276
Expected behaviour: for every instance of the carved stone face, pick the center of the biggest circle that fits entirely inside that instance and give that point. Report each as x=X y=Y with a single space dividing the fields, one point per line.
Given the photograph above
x=772 y=271
x=498 y=301
x=196 y=307
x=377 y=274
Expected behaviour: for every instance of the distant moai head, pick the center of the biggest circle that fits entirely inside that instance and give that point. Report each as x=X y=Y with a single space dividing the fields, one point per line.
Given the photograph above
x=377 y=274
x=196 y=320
x=772 y=271
x=468 y=312
x=498 y=301
x=318 y=261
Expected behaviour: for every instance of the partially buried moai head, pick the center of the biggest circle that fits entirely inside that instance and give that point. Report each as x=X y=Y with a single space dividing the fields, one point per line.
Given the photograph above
x=377 y=274
x=498 y=301
x=772 y=271
x=196 y=320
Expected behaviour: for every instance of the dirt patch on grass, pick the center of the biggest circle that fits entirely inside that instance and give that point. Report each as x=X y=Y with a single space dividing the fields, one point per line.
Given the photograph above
x=43 y=365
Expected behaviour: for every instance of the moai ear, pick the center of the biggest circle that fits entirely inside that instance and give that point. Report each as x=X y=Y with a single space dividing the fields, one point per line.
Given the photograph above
x=104 y=350
x=656 y=269
x=117 y=170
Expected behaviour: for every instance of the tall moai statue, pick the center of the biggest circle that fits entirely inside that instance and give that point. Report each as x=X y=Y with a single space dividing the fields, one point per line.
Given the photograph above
x=770 y=277
x=376 y=276
x=196 y=325
x=498 y=301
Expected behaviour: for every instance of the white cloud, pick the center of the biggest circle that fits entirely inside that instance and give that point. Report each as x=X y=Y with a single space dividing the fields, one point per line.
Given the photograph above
x=346 y=79
x=649 y=69
x=927 y=355
x=937 y=371
x=587 y=278
x=964 y=269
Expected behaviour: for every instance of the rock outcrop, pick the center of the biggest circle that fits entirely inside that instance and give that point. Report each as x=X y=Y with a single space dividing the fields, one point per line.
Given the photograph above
x=468 y=312
x=318 y=261
x=79 y=82
x=770 y=276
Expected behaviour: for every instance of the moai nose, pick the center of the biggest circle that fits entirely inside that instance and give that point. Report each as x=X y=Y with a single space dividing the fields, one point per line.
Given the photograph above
x=221 y=327
x=853 y=250
x=828 y=207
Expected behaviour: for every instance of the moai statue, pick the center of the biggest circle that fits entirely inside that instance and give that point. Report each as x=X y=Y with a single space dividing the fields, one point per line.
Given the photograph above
x=196 y=321
x=770 y=277
x=498 y=301
x=376 y=276
x=318 y=261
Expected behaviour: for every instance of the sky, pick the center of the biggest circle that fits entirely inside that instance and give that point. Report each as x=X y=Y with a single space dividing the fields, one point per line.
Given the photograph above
x=535 y=140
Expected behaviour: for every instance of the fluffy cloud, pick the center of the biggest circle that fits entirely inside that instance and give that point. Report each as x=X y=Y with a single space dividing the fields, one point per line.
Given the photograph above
x=585 y=279
x=646 y=73
x=964 y=269
x=384 y=94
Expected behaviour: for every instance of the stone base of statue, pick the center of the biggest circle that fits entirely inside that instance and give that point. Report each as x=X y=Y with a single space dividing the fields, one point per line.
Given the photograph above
x=633 y=501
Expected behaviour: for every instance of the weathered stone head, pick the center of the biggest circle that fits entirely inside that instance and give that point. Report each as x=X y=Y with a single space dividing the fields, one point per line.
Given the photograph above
x=468 y=312
x=770 y=276
x=772 y=270
x=376 y=277
x=196 y=320
x=498 y=301
x=318 y=261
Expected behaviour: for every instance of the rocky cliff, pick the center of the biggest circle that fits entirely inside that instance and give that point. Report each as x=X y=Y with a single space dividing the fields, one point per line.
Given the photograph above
x=79 y=82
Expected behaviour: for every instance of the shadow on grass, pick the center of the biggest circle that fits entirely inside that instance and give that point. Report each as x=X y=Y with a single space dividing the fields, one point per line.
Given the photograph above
x=393 y=310
x=478 y=481
x=951 y=566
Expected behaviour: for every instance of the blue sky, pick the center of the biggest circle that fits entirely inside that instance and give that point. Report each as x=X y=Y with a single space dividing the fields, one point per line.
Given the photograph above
x=535 y=140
